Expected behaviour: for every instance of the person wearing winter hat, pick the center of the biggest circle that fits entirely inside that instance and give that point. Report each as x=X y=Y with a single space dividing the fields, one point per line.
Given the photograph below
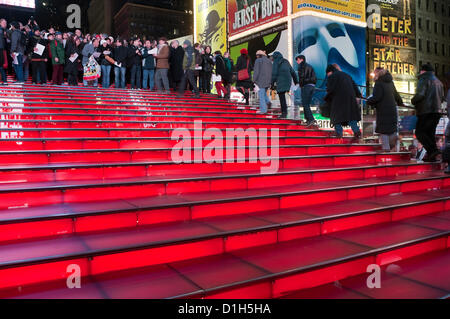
x=307 y=81
x=262 y=77
x=244 y=67
x=58 y=59
x=427 y=102
x=189 y=69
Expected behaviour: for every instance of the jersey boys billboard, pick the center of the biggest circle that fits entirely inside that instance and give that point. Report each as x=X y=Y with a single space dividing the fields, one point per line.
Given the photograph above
x=392 y=40
x=248 y=14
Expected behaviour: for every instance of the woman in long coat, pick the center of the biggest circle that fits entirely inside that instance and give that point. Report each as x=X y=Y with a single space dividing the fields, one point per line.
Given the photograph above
x=176 y=64
x=341 y=96
x=282 y=76
x=385 y=99
x=243 y=86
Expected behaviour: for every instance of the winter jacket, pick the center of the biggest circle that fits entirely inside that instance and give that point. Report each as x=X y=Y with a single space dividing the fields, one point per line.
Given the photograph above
x=120 y=55
x=149 y=59
x=207 y=63
x=262 y=74
x=342 y=92
x=102 y=58
x=282 y=73
x=162 y=59
x=57 y=50
x=385 y=99
x=198 y=61
x=16 y=45
x=73 y=67
x=429 y=94
x=306 y=74
x=134 y=58
x=88 y=50
x=241 y=64
x=176 y=64
x=222 y=70
x=35 y=41
x=2 y=39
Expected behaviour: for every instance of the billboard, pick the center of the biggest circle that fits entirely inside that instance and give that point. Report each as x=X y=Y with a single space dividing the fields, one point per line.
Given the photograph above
x=392 y=40
x=210 y=23
x=354 y=9
x=244 y=15
x=324 y=41
x=19 y=3
x=269 y=40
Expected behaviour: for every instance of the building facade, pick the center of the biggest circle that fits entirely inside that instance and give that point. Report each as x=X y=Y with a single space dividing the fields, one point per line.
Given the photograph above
x=152 y=22
x=433 y=34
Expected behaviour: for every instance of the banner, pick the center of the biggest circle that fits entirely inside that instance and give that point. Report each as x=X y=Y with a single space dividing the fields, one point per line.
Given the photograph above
x=210 y=23
x=350 y=9
x=269 y=40
x=392 y=40
x=244 y=15
x=324 y=41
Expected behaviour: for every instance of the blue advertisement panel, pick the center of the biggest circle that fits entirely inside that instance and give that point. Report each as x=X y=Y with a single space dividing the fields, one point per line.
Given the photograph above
x=323 y=41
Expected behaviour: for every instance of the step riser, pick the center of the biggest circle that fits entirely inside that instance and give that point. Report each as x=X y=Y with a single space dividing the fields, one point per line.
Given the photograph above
x=20 y=230
x=130 y=144
x=20 y=198
x=167 y=155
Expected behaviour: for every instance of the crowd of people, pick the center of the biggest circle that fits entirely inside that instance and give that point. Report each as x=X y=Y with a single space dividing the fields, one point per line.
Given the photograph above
x=152 y=64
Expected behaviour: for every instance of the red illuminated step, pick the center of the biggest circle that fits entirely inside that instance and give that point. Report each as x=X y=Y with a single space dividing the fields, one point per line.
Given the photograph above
x=269 y=271
x=423 y=277
x=166 y=154
x=86 y=210
x=20 y=132
x=148 y=142
x=109 y=170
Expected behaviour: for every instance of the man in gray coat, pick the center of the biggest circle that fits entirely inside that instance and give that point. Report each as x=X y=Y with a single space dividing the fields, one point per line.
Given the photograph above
x=17 y=50
x=262 y=76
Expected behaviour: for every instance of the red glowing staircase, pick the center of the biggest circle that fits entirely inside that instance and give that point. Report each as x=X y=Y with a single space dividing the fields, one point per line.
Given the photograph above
x=87 y=178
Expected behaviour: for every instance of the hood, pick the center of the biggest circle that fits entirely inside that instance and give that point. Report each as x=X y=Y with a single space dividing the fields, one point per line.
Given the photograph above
x=188 y=43
x=277 y=55
x=386 y=78
x=301 y=56
x=428 y=74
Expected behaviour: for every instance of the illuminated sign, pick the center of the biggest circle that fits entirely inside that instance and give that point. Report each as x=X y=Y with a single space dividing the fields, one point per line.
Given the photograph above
x=19 y=3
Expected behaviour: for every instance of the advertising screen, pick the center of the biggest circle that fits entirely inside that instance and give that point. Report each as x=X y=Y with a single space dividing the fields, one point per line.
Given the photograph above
x=249 y=14
x=392 y=40
x=210 y=23
x=19 y=3
x=354 y=9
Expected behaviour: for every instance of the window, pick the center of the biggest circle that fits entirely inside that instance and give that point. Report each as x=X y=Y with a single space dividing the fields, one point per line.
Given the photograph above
x=420 y=44
x=435 y=7
x=420 y=23
x=428 y=25
x=443 y=29
x=443 y=49
x=436 y=27
x=443 y=69
x=436 y=68
x=428 y=46
x=428 y=4
x=419 y=3
x=420 y=64
x=435 y=48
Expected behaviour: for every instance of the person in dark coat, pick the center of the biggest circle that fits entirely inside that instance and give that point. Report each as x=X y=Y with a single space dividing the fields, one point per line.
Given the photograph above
x=120 y=56
x=74 y=47
x=342 y=93
x=135 y=60
x=282 y=76
x=39 y=62
x=3 y=54
x=207 y=69
x=176 y=64
x=198 y=64
x=221 y=69
x=385 y=99
x=428 y=101
x=106 y=51
x=243 y=86
x=307 y=81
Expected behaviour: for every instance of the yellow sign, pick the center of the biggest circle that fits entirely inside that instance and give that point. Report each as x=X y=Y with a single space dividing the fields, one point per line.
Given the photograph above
x=211 y=23
x=350 y=9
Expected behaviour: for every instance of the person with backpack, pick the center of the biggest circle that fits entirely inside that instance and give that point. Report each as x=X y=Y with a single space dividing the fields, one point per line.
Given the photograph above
x=385 y=99
x=223 y=86
x=18 y=45
x=307 y=81
x=148 y=66
x=58 y=58
x=189 y=69
x=282 y=76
